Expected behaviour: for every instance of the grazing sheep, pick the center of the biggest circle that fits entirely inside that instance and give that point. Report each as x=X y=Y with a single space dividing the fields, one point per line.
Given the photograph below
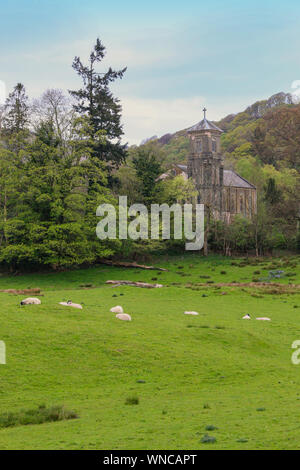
x=123 y=316
x=264 y=318
x=191 y=313
x=117 y=309
x=31 y=301
x=70 y=304
x=247 y=317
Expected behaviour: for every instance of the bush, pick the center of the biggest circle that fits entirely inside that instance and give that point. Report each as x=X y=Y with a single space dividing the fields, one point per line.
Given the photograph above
x=210 y=427
x=132 y=401
x=36 y=416
x=206 y=439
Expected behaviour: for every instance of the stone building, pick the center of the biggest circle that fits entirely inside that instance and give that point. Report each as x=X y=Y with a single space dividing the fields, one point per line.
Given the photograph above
x=223 y=191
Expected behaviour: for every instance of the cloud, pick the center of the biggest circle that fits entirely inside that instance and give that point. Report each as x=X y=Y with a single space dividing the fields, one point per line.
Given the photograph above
x=147 y=117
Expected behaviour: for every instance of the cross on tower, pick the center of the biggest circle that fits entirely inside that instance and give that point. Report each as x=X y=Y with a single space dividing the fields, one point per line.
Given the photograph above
x=204 y=111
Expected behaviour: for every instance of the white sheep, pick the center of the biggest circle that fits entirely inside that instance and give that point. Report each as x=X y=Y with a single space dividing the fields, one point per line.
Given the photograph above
x=123 y=316
x=70 y=304
x=117 y=309
x=247 y=317
x=191 y=313
x=31 y=301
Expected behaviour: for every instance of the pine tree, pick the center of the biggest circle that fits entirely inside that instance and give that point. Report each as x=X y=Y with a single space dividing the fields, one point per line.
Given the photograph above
x=16 y=110
x=96 y=101
x=148 y=168
x=272 y=193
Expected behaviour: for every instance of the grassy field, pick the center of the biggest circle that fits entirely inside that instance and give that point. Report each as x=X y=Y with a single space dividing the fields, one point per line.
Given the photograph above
x=187 y=373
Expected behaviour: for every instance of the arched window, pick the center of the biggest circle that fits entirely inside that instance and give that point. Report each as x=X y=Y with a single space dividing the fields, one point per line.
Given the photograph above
x=241 y=204
x=214 y=145
x=198 y=145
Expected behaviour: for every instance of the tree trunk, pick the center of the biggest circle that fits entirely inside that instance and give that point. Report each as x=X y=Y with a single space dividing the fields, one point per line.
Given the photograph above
x=206 y=231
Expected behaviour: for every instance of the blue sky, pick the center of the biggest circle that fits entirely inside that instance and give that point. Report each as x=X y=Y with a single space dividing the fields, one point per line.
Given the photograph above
x=180 y=55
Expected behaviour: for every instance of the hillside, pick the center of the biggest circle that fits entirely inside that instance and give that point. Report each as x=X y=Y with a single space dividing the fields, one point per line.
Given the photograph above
x=176 y=145
x=254 y=111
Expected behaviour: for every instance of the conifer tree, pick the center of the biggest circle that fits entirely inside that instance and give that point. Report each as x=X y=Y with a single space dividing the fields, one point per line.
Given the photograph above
x=16 y=110
x=96 y=101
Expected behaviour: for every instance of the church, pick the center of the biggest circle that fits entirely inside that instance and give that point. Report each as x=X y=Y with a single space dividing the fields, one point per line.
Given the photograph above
x=224 y=192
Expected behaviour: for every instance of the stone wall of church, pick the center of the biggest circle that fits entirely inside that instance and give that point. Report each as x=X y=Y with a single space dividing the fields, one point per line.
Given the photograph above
x=240 y=201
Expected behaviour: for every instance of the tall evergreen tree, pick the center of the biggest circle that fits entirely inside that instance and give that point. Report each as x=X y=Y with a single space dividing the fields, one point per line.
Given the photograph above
x=272 y=193
x=96 y=101
x=148 y=168
x=16 y=110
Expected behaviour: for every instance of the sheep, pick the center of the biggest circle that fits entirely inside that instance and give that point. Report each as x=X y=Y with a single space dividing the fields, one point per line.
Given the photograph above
x=117 y=309
x=264 y=318
x=70 y=304
x=191 y=313
x=247 y=317
x=31 y=301
x=123 y=316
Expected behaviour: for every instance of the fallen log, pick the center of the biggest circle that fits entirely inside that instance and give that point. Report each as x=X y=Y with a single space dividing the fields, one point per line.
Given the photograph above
x=125 y=264
x=134 y=284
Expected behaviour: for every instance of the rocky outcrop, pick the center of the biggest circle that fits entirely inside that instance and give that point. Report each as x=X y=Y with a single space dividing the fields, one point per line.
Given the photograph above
x=258 y=109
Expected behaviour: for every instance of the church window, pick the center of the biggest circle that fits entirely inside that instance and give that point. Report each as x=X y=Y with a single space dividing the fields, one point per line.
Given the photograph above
x=241 y=204
x=199 y=145
x=214 y=145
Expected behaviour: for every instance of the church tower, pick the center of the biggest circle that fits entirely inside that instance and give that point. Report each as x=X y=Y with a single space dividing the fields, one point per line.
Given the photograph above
x=205 y=164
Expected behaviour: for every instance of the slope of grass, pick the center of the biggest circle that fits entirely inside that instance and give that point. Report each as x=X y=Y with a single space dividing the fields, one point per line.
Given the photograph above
x=185 y=374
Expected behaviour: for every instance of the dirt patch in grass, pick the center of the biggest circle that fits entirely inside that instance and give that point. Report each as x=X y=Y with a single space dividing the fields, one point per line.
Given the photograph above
x=35 y=290
x=269 y=287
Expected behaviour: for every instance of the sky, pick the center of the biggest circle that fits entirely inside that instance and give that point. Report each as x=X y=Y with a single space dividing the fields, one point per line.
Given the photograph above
x=181 y=55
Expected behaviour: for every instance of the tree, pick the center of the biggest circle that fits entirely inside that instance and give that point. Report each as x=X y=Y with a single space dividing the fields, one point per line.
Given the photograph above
x=96 y=101
x=16 y=110
x=54 y=106
x=272 y=193
x=177 y=189
x=48 y=198
x=148 y=168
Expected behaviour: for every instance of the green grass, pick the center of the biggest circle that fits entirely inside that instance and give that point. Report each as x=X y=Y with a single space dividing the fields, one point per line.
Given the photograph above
x=181 y=373
x=39 y=415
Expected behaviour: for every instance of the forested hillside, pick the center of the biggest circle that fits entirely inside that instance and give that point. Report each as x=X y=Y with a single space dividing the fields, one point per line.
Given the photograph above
x=262 y=144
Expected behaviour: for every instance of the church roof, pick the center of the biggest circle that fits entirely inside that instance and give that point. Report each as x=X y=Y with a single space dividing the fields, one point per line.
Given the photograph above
x=230 y=178
x=182 y=167
x=204 y=125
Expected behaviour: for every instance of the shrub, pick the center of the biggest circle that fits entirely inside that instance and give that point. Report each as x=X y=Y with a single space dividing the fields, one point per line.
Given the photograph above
x=39 y=415
x=206 y=439
x=132 y=401
x=210 y=427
